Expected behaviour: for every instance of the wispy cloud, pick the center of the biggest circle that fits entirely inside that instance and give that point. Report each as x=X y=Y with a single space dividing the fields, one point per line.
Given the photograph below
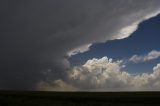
x=143 y=58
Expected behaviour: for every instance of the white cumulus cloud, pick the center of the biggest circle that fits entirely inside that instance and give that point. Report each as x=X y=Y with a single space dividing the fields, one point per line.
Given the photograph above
x=104 y=74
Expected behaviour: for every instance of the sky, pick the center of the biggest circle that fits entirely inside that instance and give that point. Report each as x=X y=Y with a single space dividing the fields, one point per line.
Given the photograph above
x=79 y=45
x=143 y=40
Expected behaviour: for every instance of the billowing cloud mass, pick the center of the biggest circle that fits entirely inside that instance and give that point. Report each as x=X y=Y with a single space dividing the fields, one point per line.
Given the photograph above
x=150 y=56
x=37 y=35
x=104 y=74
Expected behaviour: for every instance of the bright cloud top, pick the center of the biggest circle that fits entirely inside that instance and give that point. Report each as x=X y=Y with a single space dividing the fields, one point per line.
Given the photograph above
x=105 y=74
x=143 y=58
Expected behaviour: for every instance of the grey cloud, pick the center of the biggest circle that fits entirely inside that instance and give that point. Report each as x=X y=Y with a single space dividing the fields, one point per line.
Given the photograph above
x=36 y=35
x=56 y=85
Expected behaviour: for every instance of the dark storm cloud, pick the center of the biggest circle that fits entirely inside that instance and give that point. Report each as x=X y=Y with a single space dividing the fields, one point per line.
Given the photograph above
x=35 y=35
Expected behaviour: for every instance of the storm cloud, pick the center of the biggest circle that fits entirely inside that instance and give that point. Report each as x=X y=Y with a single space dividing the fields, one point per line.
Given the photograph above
x=37 y=36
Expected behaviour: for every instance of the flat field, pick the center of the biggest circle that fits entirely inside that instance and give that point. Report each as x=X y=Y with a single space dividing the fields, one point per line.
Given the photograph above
x=34 y=98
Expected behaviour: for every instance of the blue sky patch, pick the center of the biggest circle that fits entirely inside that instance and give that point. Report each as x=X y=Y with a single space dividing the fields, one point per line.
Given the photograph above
x=145 y=39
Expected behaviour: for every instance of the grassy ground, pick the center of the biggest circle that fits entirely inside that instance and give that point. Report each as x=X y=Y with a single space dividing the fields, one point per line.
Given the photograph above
x=15 y=98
